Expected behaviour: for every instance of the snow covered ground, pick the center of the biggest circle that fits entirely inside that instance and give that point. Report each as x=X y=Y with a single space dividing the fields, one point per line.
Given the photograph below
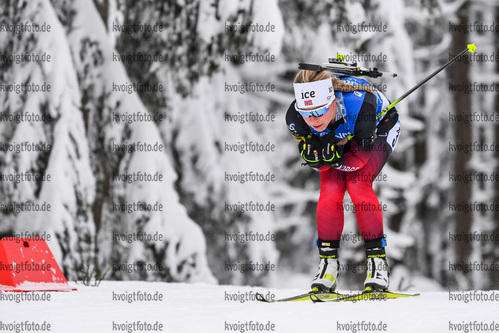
x=207 y=308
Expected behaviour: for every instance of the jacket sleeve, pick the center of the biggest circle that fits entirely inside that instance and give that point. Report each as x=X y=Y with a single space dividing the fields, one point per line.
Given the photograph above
x=296 y=125
x=365 y=124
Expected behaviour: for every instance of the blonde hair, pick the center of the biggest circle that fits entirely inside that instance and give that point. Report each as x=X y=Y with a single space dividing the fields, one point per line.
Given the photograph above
x=305 y=76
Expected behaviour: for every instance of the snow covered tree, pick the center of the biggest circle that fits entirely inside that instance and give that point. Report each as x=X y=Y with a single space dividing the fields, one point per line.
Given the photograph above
x=63 y=156
x=99 y=53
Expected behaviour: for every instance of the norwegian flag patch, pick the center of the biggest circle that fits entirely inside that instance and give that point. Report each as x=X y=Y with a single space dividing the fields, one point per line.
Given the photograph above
x=308 y=103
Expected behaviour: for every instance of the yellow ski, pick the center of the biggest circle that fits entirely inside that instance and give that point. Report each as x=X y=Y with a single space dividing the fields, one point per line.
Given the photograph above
x=367 y=295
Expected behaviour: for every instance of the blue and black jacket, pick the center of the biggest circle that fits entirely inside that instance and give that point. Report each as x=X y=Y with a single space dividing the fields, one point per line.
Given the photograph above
x=357 y=115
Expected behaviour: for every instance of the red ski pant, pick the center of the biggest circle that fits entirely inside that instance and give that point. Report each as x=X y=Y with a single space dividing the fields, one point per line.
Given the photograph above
x=334 y=183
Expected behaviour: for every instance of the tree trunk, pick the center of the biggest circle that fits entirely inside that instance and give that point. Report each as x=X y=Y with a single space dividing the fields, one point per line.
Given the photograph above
x=462 y=134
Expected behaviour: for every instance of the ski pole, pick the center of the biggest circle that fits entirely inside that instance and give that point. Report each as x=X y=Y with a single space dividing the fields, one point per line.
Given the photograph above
x=470 y=47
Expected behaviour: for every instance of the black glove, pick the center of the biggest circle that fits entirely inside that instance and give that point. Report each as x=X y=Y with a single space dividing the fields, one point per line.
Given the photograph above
x=331 y=154
x=368 y=142
x=310 y=150
x=331 y=151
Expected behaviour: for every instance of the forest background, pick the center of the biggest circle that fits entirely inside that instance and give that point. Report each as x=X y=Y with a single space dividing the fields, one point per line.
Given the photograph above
x=439 y=188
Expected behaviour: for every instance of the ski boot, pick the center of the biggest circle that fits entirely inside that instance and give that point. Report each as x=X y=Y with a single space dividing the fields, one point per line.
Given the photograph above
x=329 y=266
x=377 y=267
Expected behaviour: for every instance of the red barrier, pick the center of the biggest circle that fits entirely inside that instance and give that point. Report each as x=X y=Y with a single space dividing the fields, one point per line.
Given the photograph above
x=28 y=265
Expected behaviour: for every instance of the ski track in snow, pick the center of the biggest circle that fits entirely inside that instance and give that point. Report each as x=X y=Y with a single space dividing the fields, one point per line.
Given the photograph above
x=203 y=308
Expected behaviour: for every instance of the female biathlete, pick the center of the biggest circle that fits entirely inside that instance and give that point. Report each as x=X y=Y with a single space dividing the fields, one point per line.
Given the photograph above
x=342 y=133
